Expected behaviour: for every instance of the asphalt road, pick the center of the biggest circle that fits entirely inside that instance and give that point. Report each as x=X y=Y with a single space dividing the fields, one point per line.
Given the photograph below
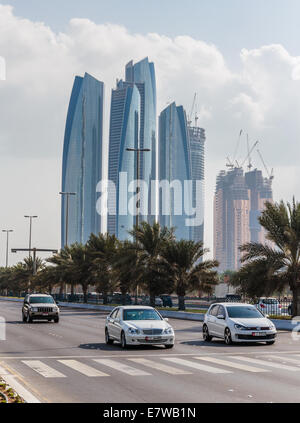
x=58 y=363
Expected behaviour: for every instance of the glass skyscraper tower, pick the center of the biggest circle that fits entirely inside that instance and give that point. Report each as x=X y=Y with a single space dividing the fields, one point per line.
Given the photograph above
x=175 y=168
x=132 y=125
x=82 y=159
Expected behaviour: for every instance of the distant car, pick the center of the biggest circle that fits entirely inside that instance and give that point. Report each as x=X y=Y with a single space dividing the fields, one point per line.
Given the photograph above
x=233 y=298
x=269 y=306
x=116 y=298
x=158 y=301
x=237 y=322
x=167 y=300
x=138 y=325
x=39 y=307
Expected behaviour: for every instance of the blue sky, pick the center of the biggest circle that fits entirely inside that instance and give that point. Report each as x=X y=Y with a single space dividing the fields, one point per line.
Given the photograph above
x=229 y=24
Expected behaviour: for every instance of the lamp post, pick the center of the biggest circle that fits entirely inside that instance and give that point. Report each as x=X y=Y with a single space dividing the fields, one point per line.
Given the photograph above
x=30 y=230
x=7 y=234
x=67 y=194
x=137 y=151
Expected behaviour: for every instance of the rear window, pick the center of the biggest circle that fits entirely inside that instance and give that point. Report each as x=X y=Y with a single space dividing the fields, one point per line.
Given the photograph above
x=270 y=301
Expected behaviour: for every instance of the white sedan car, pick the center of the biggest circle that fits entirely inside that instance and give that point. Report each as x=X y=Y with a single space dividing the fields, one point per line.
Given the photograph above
x=236 y=322
x=138 y=325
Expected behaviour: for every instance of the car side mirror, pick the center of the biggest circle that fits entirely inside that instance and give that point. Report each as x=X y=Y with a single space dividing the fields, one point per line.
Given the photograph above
x=117 y=320
x=267 y=315
x=166 y=319
x=220 y=316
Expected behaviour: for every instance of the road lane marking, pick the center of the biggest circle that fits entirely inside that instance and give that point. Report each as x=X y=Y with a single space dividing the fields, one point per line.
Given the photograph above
x=82 y=368
x=234 y=365
x=290 y=360
x=42 y=368
x=194 y=365
x=159 y=366
x=266 y=363
x=122 y=367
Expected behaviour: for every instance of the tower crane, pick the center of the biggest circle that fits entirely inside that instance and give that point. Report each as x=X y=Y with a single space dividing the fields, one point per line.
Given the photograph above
x=249 y=152
x=191 y=112
x=270 y=174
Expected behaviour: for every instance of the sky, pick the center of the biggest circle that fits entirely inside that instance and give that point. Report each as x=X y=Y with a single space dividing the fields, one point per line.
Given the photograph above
x=242 y=58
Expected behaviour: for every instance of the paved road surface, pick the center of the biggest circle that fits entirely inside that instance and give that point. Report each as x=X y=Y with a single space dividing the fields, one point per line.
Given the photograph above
x=70 y=362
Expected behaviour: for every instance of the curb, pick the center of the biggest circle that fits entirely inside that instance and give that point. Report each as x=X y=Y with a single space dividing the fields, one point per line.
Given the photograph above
x=10 y=379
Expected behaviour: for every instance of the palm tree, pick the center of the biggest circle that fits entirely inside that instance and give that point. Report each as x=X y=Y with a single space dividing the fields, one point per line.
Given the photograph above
x=149 y=242
x=102 y=250
x=278 y=261
x=183 y=264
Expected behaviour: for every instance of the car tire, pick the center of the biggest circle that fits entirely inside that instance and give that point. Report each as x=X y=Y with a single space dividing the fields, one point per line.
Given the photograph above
x=29 y=319
x=108 y=340
x=23 y=318
x=168 y=346
x=227 y=337
x=123 y=340
x=56 y=320
x=205 y=334
x=270 y=342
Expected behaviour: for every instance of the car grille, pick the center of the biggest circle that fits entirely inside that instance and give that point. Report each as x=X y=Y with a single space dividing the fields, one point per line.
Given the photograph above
x=248 y=337
x=152 y=341
x=152 y=331
x=45 y=309
x=259 y=328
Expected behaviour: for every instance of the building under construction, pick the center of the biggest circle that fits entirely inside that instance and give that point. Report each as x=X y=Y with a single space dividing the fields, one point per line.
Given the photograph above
x=239 y=200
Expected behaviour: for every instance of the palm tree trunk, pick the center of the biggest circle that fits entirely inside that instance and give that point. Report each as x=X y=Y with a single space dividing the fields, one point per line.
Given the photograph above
x=84 y=290
x=296 y=300
x=152 y=300
x=181 y=302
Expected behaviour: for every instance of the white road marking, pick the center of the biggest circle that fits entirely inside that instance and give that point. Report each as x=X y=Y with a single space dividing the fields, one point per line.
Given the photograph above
x=289 y=359
x=159 y=366
x=122 y=367
x=82 y=368
x=231 y=364
x=42 y=368
x=266 y=363
x=197 y=366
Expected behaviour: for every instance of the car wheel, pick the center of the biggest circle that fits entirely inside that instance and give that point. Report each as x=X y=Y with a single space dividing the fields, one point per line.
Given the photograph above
x=227 y=337
x=108 y=340
x=169 y=346
x=23 y=318
x=270 y=342
x=56 y=320
x=29 y=319
x=206 y=335
x=123 y=340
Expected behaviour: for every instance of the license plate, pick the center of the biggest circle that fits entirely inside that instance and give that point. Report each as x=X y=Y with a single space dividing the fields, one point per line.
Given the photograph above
x=157 y=338
x=45 y=314
x=259 y=333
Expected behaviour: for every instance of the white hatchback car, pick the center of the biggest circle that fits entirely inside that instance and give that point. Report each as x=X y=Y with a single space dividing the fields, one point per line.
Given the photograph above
x=269 y=306
x=236 y=322
x=138 y=325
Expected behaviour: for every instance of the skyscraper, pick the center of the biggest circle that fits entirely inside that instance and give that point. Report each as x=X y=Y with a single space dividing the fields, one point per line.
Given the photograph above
x=132 y=125
x=174 y=168
x=239 y=200
x=82 y=159
x=197 y=144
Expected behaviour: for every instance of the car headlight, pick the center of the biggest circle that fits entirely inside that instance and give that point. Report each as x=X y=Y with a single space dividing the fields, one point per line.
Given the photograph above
x=240 y=327
x=33 y=309
x=55 y=309
x=133 y=331
x=272 y=327
x=168 y=331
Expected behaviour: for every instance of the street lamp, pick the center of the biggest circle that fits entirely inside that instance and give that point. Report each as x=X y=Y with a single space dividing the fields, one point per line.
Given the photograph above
x=67 y=194
x=30 y=228
x=138 y=151
x=7 y=233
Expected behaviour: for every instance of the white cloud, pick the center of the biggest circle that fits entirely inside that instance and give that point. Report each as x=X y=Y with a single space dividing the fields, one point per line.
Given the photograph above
x=263 y=98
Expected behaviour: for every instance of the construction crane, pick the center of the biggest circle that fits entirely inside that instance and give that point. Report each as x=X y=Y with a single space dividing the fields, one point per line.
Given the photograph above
x=230 y=163
x=249 y=157
x=270 y=174
x=249 y=152
x=191 y=112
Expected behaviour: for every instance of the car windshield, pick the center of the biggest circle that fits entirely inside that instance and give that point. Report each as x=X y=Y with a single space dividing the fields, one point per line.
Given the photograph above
x=141 y=314
x=40 y=300
x=244 y=312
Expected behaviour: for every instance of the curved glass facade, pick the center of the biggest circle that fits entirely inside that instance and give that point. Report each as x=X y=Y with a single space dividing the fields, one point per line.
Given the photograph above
x=82 y=159
x=175 y=168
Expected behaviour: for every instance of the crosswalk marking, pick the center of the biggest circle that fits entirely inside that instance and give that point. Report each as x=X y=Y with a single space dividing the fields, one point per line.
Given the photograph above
x=83 y=368
x=231 y=364
x=122 y=367
x=194 y=365
x=288 y=359
x=159 y=366
x=42 y=368
x=265 y=363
